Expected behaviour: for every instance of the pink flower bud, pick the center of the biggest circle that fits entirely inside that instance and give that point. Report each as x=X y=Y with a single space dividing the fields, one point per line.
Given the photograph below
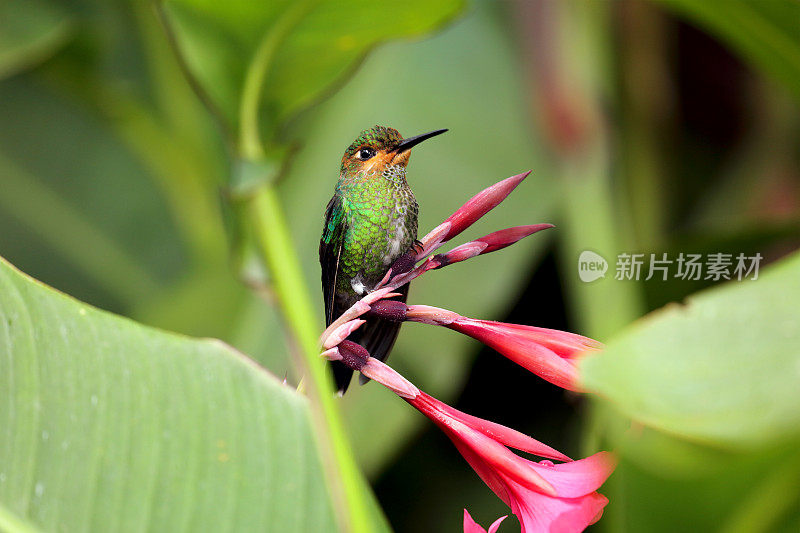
x=331 y=354
x=488 y=243
x=341 y=333
x=355 y=311
x=462 y=253
x=507 y=237
x=378 y=371
x=434 y=239
x=428 y=314
x=480 y=204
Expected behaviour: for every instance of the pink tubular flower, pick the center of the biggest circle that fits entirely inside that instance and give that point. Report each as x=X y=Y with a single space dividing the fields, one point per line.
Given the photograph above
x=471 y=527
x=480 y=204
x=544 y=496
x=466 y=215
x=549 y=353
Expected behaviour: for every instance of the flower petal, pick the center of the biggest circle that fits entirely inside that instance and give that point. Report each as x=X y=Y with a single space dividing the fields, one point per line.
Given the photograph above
x=564 y=343
x=524 y=351
x=470 y=526
x=342 y=332
x=539 y=513
x=498 y=432
x=434 y=239
x=491 y=452
x=378 y=371
x=578 y=478
x=496 y=524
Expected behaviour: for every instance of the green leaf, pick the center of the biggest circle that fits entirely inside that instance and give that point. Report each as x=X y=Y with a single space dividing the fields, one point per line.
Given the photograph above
x=766 y=33
x=30 y=30
x=720 y=369
x=109 y=425
x=288 y=54
x=748 y=492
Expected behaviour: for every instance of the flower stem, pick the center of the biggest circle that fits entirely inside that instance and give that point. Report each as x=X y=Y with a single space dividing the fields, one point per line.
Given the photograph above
x=257 y=72
x=279 y=255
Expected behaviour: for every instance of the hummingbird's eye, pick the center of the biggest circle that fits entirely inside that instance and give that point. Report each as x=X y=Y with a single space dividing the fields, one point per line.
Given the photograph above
x=366 y=153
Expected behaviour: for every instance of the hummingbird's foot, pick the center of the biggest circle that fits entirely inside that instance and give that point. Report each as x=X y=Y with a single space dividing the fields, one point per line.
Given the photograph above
x=418 y=246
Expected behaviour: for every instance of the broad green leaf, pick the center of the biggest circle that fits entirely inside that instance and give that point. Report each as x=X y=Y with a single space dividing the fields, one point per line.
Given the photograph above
x=721 y=369
x=30 y=30
x=748 y=492
x=302 y=48
x=665 y=483
x=107 y=425
x=766 y=33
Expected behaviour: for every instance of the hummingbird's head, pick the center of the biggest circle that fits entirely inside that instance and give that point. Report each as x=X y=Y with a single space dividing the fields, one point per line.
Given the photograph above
x=379 y=148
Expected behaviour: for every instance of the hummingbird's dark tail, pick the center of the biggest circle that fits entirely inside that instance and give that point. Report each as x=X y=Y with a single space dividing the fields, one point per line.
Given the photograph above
x=341 y=376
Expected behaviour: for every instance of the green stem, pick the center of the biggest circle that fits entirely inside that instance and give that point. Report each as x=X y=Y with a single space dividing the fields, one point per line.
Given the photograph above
x=279 y=255
x=273 y=240
x=249 y=134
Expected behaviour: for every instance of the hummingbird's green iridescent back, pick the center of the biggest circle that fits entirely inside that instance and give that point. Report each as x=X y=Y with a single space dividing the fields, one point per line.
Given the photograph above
x=370 y=222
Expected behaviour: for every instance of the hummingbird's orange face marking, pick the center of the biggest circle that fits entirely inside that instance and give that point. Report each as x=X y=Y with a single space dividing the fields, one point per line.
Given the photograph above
x=366 y=162
x=380 y=149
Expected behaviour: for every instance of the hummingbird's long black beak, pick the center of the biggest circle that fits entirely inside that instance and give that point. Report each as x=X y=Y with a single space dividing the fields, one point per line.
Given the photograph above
x=407 y=144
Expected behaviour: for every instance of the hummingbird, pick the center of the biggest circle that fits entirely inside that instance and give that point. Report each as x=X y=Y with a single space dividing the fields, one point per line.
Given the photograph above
x=369 y=223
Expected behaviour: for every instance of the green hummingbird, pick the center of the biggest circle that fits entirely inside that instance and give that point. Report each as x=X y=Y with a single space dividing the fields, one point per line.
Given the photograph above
x=370 y=222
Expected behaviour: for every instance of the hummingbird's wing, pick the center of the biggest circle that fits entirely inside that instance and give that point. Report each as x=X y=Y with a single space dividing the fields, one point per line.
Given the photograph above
x=330 y=251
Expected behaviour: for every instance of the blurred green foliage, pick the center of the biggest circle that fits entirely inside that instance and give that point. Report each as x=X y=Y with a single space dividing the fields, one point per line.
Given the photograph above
x=115 y=187
x=766 y=33
x=248 y=74
x=29 y=32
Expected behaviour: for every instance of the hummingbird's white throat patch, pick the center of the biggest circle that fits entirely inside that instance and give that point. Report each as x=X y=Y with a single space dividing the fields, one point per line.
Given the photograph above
x=357 y=283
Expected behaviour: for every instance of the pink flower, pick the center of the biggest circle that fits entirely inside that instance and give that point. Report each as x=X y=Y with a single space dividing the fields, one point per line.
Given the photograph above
x=545 y=497
x=471 y=527
x=549 y=353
